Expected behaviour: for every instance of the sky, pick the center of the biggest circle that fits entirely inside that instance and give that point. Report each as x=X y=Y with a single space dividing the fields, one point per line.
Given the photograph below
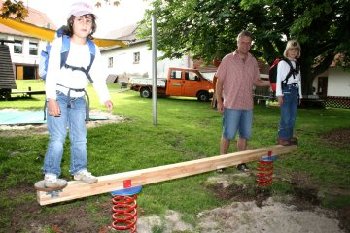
x=108 y=17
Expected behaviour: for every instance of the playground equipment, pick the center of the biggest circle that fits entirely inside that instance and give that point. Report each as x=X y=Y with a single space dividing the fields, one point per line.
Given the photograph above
x=125 y=207
x=265 y=170
x=7 y=76
x=109 y=183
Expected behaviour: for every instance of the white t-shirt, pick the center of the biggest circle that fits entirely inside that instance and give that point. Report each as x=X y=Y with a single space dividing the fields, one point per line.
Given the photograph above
x=79 y=56
x=283 y=69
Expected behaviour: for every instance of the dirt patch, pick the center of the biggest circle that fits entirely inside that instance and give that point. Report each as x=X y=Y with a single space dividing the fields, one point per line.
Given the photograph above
x=170 y=223
x=344 y=217
x=272 y=217
x=74 y=220
x=257 y=209
x=305 y=191
x=30 y=216
x=252 y=209
x=30 y=129
x=338 y=138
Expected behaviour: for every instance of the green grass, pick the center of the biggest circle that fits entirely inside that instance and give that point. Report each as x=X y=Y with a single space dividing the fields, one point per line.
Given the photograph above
x=186 y=130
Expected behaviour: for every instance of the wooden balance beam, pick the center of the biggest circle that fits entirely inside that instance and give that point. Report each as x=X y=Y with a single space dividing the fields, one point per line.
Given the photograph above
x=109 y=183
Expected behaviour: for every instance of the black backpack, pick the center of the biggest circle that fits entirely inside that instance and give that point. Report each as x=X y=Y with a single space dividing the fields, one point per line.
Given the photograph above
x=273 y=72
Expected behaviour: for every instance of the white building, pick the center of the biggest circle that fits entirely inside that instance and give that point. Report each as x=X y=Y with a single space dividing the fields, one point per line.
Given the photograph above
x=135 y=60
x=25 y=51
x=334 y=82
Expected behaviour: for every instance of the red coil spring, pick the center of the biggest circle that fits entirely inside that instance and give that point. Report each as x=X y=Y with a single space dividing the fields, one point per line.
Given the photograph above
x=265 y=171
x=125 y=213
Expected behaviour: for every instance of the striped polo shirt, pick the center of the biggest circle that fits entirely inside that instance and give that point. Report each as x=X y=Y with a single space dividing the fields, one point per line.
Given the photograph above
x=238 y=80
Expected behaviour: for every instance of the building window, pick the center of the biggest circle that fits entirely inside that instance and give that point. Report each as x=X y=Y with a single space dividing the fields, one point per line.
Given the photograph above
x=136 y=57
x=18 y=46
x=110 y=62
x=33 y=48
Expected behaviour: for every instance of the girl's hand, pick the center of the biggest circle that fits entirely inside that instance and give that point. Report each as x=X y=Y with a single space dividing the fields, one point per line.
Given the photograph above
x=280 y=100
x=109 y=105
x=53 y=108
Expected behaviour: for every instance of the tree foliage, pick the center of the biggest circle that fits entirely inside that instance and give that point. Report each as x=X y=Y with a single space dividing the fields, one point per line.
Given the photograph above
x=14 y=9
x=99 y=3
x=208 y=28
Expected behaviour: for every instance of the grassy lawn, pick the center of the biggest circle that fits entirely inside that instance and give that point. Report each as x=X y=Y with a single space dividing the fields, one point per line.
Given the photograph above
x=186 y=130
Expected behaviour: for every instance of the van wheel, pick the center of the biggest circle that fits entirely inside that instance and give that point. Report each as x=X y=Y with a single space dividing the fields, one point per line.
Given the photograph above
x=145 y=92
x=203 y=96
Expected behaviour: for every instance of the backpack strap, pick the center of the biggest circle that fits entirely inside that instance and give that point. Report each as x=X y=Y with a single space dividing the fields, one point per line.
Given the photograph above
x=64 y=49
x=92 y=50
x=292 y=71
x=64 y=55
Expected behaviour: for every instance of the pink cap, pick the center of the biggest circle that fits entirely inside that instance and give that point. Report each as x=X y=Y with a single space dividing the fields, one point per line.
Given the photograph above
x=81 y=8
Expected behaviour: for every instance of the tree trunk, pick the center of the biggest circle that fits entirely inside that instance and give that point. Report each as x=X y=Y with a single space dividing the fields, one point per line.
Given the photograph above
x=306 y=76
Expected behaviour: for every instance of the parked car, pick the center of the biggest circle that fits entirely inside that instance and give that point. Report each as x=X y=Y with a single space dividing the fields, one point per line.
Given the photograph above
x=179 y=82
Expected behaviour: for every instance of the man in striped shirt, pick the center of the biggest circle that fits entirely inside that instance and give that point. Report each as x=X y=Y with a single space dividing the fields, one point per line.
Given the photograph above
x=237 y=74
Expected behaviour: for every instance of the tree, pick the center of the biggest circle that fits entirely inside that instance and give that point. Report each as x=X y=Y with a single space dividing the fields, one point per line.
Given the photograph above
x=208 y=28
x=99 y=3
x=15 y=9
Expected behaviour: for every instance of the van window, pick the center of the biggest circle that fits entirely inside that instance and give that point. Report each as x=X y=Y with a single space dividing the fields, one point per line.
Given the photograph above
x=191 y=76
x=176 y=74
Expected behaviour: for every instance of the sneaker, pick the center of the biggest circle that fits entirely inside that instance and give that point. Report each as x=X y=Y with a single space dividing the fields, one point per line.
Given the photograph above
x=243 y=167
x=85 y=177
x=51 y=181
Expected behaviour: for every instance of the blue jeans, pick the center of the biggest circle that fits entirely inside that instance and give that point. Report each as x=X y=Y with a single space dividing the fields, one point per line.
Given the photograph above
x=72 y=117
x=237 y=120
x=288 y=112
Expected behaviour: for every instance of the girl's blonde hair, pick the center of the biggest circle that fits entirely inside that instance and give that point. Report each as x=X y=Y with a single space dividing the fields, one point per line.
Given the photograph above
x=292 y=44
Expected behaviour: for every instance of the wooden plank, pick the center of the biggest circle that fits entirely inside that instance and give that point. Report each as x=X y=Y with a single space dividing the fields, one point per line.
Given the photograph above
x=109 y=183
